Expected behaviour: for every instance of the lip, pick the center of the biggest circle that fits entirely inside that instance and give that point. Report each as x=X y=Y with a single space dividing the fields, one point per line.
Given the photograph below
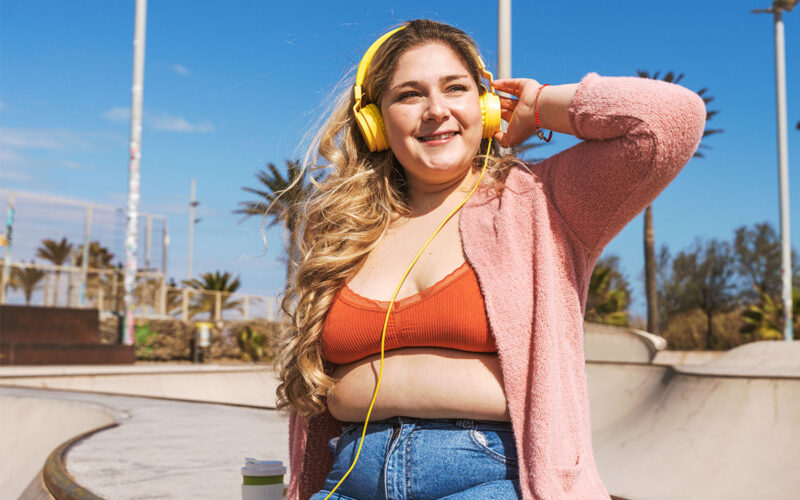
x=438 y=142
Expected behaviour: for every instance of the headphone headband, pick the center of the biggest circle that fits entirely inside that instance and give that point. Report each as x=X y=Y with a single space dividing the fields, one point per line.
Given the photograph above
x=364 y=64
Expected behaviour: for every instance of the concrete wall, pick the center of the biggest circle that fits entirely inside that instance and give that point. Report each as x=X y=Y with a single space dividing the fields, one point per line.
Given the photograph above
x=31 y=428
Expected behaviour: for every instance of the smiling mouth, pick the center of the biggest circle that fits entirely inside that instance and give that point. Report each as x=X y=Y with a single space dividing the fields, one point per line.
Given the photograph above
x=437 y=137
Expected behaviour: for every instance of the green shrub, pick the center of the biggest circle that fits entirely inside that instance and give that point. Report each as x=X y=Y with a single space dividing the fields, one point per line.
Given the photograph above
x=144 y=338
x=251 y=344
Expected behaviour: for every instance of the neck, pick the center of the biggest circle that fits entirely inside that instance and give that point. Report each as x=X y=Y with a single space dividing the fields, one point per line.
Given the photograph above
x=428 y=198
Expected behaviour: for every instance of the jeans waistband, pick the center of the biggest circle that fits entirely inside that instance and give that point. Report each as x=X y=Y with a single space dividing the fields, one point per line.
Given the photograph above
x=462 y=423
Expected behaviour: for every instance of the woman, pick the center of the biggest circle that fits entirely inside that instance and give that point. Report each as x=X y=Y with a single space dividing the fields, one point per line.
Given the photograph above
x=483 y=390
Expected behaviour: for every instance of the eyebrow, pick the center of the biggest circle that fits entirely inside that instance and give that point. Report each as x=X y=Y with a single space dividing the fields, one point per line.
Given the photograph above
x=444 y=79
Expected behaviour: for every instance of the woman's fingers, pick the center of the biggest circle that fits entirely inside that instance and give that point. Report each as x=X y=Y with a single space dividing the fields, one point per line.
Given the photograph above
x=501 y=138
x=517 y=112
x=506 y=103
x=504 y=138
x=510 y=85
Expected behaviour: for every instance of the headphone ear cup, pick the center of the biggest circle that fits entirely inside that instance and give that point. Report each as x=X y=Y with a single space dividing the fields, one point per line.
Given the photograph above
x=370 y=122
x=490 y=114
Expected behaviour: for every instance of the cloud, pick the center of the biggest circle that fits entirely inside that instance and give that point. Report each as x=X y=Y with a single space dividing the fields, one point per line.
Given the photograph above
x=26 y=153
x=74 y=165
x=63 y=139
x=170 y=123
x=12 y=163
x=180 y=69
x=118 y=114
x=160 y=120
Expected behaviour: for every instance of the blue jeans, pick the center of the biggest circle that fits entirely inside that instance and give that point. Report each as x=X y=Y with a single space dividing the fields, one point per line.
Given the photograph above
x=413 y=458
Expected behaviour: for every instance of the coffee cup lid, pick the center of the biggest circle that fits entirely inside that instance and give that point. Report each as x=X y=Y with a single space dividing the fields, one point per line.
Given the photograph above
x=255 y=467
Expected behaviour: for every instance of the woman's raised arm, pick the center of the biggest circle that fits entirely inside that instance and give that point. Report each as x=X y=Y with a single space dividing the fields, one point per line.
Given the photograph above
x=637 y=133
x=520 y=112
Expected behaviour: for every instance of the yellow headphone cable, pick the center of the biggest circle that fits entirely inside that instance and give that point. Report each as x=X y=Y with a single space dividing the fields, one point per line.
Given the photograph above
x=386 y=321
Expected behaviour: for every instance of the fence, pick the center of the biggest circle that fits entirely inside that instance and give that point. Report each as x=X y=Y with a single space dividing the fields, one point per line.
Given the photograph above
x=102 y=288
x=72 y=233
x=84 y=243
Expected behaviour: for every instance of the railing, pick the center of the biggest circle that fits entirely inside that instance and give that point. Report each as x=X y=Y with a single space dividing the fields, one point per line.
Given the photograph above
x=49 y=285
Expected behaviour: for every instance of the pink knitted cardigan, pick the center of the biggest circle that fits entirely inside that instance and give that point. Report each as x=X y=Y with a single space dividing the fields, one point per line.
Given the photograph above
x=533 y=250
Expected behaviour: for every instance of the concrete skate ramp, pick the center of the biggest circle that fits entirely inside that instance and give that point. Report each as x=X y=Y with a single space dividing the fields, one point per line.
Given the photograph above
x=728 y=429
x=614 y=343
x=251 y=385
x=31 y=428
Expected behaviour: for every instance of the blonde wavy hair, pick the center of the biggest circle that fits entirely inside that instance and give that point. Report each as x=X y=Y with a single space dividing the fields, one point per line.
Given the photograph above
x=348 y=213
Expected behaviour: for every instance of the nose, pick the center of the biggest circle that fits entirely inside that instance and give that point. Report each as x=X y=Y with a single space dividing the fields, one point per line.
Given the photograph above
x=436 y=108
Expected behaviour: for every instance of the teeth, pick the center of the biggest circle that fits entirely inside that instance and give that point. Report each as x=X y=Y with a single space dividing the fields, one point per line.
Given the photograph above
x=439 y=136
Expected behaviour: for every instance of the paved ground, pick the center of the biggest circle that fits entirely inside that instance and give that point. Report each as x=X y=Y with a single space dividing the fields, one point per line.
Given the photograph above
x=162 y=449
x=32 y=427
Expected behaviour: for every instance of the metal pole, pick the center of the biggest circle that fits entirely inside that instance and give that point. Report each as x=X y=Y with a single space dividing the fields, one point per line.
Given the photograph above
x=164 y=246
x=192 y=204
x=87 y=231
x=7 y=257
x=185 y=304
x=132 y=212
x=783 y=172
x=503 y=38
x=148 y=237
x=504 y=50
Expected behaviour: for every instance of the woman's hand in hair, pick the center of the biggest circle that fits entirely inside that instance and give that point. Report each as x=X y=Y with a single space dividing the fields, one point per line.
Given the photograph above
x=553 y=103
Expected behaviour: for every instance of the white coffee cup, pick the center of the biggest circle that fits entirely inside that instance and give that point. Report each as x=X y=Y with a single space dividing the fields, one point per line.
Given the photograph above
x=262 y=479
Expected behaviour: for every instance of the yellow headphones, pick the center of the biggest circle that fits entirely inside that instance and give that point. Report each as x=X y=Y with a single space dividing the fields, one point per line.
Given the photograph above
x=369 y=118
x=371 y=125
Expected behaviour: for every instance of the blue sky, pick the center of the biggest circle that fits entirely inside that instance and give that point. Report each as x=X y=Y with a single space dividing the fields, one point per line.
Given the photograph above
x=230 y=86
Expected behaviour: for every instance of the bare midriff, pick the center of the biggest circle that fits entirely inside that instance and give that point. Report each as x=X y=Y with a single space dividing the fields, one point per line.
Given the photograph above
x=421 y=382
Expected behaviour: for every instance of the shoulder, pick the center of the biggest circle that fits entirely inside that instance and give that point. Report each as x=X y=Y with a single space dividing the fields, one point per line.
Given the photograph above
x=518 y=180
x=522 y=178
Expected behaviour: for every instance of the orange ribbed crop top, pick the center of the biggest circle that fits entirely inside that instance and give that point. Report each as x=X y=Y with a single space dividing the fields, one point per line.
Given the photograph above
x=449 y=314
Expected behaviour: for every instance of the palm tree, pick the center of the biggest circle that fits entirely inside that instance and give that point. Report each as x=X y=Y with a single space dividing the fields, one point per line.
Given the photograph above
x=288 y=204
x=608 y=295
x=214 y=282
x=764 y=320
x=651 y=288
x=26 y=278
x=100 y=257
x=56 y=252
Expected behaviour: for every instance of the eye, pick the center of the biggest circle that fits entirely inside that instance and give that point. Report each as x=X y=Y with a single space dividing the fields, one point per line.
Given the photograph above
x=457 y=88
x=408 y=95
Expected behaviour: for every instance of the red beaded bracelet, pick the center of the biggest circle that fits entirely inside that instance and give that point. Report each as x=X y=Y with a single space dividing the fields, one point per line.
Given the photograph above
x=539 y=132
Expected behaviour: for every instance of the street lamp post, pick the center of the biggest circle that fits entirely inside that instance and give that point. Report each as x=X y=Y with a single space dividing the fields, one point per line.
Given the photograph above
x=778 y=6
x=503 y=38
x=192 y=221
x=504 y=48
x=132 y=208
